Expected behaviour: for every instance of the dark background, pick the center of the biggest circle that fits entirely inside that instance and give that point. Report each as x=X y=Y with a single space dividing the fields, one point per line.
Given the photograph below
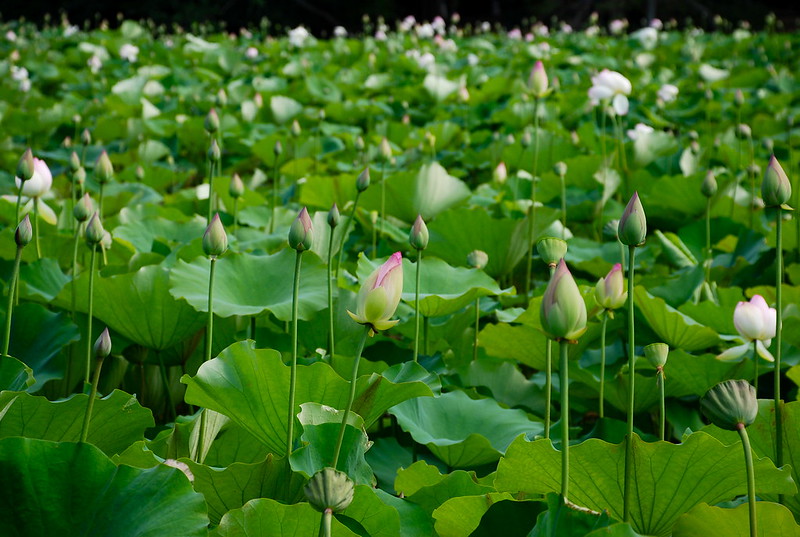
x=322 y=15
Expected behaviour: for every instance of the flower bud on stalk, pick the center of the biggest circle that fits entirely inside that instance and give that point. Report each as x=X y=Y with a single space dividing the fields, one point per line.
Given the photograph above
x=380 y=294
x=25 y=166
x=633 y=224
x=301 y=233
x=563 y=311
x=214 y=152
x=362 y=183
x=94 y=230
x=215 y=240
x=776 y=189
x=537 y=81
x=74 y=162
x=709 y=186
x=333 y=216
x=102 y=346
x=236 y=188
x=24 y=232
x=86 y=137
x=103 y=169
x=418 y=238
x=83 y=209
x=277 y=148
x=211 y=122
x=609 y=292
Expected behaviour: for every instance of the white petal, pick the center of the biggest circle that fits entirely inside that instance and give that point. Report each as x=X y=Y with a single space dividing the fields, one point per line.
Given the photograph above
x=599 y=93
x=734 y=353
x=47 y=214
x=763 y=352
x=620 y=104
x=748 y=320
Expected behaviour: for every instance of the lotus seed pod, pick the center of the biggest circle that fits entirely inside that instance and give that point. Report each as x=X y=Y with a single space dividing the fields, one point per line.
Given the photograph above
x=632 y=229
x=730 y=404
x=102 y=346
x=333 y=217
x=537 y=81
x=74 y=162
x=214 y=152
x=296 y=130
x=215 y=240
x=94 y=231
x=709 y=186
x=211 y=122
x=775 y=188
x=103 y=169
x=563 y=311
x=86 y=137
x=657 y=354
x=236 y=188
x=477 y=259
x=24 y=232
x=418 y=237
x=330 y=489
x=560 y=168
x=83 y=208
x=362 y=183
x=301 y=234
x=551 y=250
x=609 y=292
x=25 y=166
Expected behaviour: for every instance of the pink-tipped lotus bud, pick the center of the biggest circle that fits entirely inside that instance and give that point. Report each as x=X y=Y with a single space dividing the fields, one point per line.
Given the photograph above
x=418 y=238
x=500 y=173
x=386 y=150
x=730 y=404
x=24 y=232
x=80 y=176
x=214 y=152
x=775 y=188
x=277 y=148
x=83 y=208
x=107 y=241
x=74 y=162
x=333 y=217
x=236 y=188
x=94 y=231
x=551 y=250
x=139 y=173
x=362 y=183
x=380 y=294
x=301 y=233
x=537 y=81
x=633 y=224
x=477 y=259
x=103 y=169
x=86 y=137
x=657 y=354
x=296 y=130
x=709 y=186
x=211 y=122
x=102 y=346
x=610 y=291
x=25 y=166
x=215 y=240
x=563 y=311
x=738 y=97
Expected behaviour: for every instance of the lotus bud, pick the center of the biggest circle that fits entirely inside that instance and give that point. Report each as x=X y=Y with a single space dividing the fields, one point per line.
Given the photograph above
x=359 y=143
x=236 y=188
x=296 y=130
x=211 y=122
x=744 y=131
x=418 y=238
x=277 y=148
x=632 y=229
x=74 y=162
x=103 y=169
x=560 y=168
x=463 y=94
x=301 y=233
x=537 y=81
x=214 y=153
x=709 y=186
x=380 y=294
x=656 y=354
x=477 y=259
x=102 y=346
x=94 y=231
x=83 y=208
x=362 y=183
x=330 y=489
x=526 y=139
x=730 y=404
x=693 y=135
x=775 y=188
x=24 y=232
x=80 y=176
x=107 y=241
x=86 y=137
x=25 y=166
x=551 y=250
x=222 y=97
x=500 y=173
x=215 y=240
x=386 y=149
x=738 y=97
x=609 y=292
x=510 y=139
x=769 y=144
x=563 y=311
x=333 y=217
x=431 y=139
x=139 y=173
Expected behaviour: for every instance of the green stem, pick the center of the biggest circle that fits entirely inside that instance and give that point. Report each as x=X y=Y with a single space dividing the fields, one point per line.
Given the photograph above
x=209 y=340
x=708 y=241
x=89 y=316
x=564 y=207
x=603 y=115
x=293 y=378
x=425 y=325
x=383 y=196
x=100 y=202
x=603 y=363
x=661 y=381
x=19 y=202
x=235 y=216
x=275 y=182
x=344 y=235
x=75 y=264
x=564 y=371
x=532 y=213
x=74 y=201
x=90 y=403
x=416 y=310
x=477 y=326
x=752 y=175
x=331 y=336
x=751 y=478
x=755 y=365
x=626 y=514
x=778 y=337
x=210 y=190
x=165 y=379
x=325 y=523
x=352 y=395
x=548 y=378
x=36 y=228
x=10 y=311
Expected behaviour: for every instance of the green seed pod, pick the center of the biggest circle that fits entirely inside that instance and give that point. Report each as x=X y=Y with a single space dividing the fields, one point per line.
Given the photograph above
x=214 y=152
x=418 y=237
x=211 y=122
x=657 y=354
x=74 y=162
x=709 y=186
x=775 y=188
x=102 y=346
x=477 y=259
x=330 y=489
x=301 y=234
x=632 y=229
x=362 y=183
x=730 y=404
x=103 y=169
x=83 y=208
x=215 y=240
x=25 y=166
x=24 y=232
x=236 y=188
x=551 y=250
x=94 y=231
x=333 y=217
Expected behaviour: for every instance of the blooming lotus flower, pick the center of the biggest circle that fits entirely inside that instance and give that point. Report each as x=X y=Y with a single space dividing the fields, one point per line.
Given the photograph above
x=667 y=93
x=129 y=52
x=298 y=36
x=610 y=85
x=755 y=321
x=40 y=183
x=636 y=132
x=380 y=294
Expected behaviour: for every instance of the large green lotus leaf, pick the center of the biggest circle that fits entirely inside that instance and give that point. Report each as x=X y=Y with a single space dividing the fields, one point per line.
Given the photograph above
x=762 y=441
x=250 y=285
x=284 y=108
x=508 y=385
x=42 y=278
x=567 y=520
x=673 y=327
x=689 y=374
x=416 y=476
x=375 y=516
x=523 y=343
x=14 y=375
x=443 y=289
x=668 y=479
x=458 y=483
x=138 y=305
x=464 y=432
x=460 y=516
x=414 y=521
x=74 y=489
x=267 y=518
x=251 y=386
x=37 y=337
x=117 y=419
x=774 y=520
x=231 y=487
x=142 y=228
x=620 y=529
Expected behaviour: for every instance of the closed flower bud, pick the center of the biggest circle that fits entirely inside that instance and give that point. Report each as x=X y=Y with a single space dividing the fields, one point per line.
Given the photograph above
x=94 y=230
x=330 y=489
x=24 y=232
x=236 y=188
x=214 y=153
x=500 y=173
x=744 y=131
x=610 y=291
x=477 y=259
x=74 y=162
x=611 y=229
x=738 y=97
x=222 y=97
x=103 y=169
x=386 y=150
x=139 y=173
x=80 y=176
x=560 y=168
x=359 y=143
x=107 y=241
x=83 y=208
x=731 y=404
x=551 y=250
x=102 y=346
x=333 y=216
x=362 y=183
x=296 y=130
x=709 y=186
x=215 y=240
x=632 y=229
x=277 y=148
x=418 y=238
x=526 y=139
x=380 y=294
x=537 y=82
x=211 y=122
x=657 y=354
x=301 y=233
x=775 y=188
x=86 y=137
x=25 y=167
x=563 y=312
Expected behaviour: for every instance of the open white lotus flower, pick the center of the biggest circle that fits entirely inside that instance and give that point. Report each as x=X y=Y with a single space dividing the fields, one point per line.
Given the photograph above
x=35 y=188
x=611 y=86
x=755 y=321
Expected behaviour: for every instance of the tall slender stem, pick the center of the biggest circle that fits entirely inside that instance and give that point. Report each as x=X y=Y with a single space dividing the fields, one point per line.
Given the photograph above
x=165 y=380
x=626 y=514
x=210 y=190
x=778 y=336
x=19 y=202
x=90 y=403
x=477 y=326
x=75 y=264
x=36 y=228
x=604 y=322
x=293 y=377
x=383 y=196
x=662 y=415
x=10 y=311
x=352 y=395
x=708 y=241
x=89 y=316
x=325 y=523
x=751 y=173
x=416 y=309
x=548 y=378
x=532 y=213
x=563 y=207
x=751 y=478
x=426 y=321
x=331 y=336
x=755 y=365
x=235 y=216
x=564 y=376
x=275 y=181
x=209 y=342
x=346 y=231
x=100 y=201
